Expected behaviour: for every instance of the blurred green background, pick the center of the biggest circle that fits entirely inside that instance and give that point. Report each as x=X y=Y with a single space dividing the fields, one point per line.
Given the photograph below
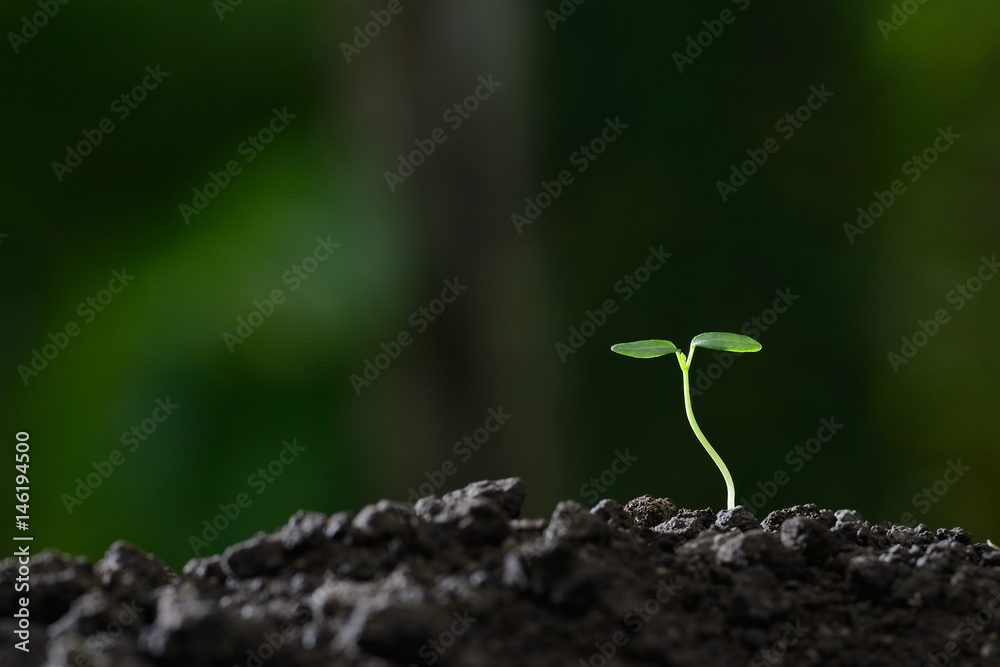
x=555 y=86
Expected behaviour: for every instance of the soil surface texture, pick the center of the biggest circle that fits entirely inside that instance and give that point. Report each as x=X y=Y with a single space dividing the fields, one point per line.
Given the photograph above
x=461 y=580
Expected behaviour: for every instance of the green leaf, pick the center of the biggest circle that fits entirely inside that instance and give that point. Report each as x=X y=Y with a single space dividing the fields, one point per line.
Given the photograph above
x=727 y=342
x=645 y=349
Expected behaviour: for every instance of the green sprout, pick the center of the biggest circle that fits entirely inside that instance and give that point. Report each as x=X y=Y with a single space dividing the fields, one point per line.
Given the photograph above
x=713 y=340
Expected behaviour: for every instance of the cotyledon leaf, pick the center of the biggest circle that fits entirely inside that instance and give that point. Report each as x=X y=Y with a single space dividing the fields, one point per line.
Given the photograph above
x=645 y=349
x=727 y=342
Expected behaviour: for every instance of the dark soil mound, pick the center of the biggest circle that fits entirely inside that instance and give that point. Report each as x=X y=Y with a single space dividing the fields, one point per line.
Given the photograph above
x=460 y=580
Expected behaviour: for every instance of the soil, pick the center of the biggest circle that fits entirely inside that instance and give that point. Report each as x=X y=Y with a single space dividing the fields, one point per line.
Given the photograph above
x=462 y=580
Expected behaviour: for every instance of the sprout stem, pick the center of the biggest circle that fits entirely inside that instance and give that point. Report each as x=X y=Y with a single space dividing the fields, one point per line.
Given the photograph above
x=685 y=365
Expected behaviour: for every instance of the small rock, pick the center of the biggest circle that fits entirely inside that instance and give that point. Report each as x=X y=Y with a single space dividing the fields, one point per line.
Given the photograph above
x=942 y=557
x=956 y=534
x=738 y=518
x=809 y=537
x=396 y=631
x=126 y=565
x=647 y=511
x=211 y=570
x=988 y=554
x=255 y=557
x=478 y=519
x=773 y=521
x=612 y=512
x=556 y=572
x=848 y=516
x=752 y=547
x=508 y=494
x=383 y=521
x=338 y=526
x=869 y=576
x=572 y=522
x=687 y=524
x=303 y=530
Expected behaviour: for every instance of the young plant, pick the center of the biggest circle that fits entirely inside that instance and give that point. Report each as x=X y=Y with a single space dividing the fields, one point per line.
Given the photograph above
x=713 y=340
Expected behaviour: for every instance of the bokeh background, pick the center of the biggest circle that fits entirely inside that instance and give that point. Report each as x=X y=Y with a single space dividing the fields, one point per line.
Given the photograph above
x=558 y=79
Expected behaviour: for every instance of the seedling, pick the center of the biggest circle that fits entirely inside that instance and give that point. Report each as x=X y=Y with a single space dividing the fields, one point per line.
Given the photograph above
x=713 y=340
